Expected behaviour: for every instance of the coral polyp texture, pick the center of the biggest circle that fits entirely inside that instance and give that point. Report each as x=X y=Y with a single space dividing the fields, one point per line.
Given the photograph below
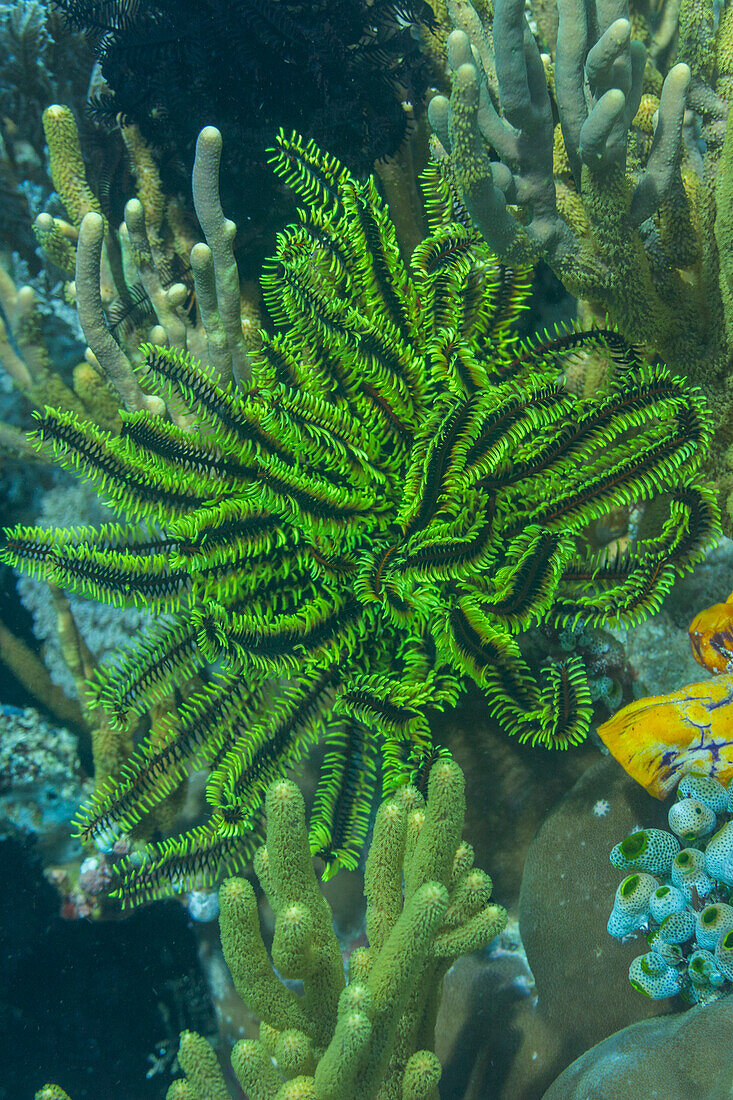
x=397 y=494
x=370 y=1035
x=681 y=896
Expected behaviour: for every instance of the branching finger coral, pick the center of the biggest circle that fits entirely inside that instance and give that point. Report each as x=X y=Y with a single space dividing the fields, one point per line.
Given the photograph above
x=371 y=1036
x=399 y=492
x=628 y=196
x=40 y=61
x=144 y=280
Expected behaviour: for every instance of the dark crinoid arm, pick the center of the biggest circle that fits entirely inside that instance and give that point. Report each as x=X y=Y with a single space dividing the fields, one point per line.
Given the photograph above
x=402 y=491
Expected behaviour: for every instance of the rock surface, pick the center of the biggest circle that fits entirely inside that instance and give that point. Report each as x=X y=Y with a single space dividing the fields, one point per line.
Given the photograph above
x=580 y=971
x=678 y=1058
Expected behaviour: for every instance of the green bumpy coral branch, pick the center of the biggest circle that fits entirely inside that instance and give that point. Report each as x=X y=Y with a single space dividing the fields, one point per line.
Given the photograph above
x=400 y=491
x=369 y=1038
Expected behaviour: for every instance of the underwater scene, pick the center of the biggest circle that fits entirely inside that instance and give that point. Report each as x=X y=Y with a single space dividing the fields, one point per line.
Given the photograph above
x=366 y=568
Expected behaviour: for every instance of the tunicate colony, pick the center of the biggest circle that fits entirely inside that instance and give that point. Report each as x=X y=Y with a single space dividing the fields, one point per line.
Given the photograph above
x=681 y=895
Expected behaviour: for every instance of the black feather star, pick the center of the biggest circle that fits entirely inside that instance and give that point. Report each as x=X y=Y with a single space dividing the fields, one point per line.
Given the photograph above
x=338 y=71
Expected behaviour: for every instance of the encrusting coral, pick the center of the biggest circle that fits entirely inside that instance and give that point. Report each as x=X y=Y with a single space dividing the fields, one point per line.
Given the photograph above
x=398 y=492
x=660 y=739
x=633 y=215
x=371 y=1037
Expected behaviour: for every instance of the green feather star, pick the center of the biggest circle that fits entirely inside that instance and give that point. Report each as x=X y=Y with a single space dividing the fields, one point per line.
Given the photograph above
x=400 y=491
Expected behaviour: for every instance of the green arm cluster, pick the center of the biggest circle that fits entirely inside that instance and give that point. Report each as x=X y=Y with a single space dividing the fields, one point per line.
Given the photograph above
x=402 y=490
x=623 y=200
x=369 y=1037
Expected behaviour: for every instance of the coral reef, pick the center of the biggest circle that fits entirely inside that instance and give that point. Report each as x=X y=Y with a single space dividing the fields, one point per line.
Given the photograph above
x=581 y=989
x=504 y=1033
x=659 y=650
x=632 y=216
x=398 y=493
x=388 y=501
x=102 y=628
x=680 y=895
x=124 y=286
x=370 y=1037
x=41 y=781
x=40 y=338
x=41 y=61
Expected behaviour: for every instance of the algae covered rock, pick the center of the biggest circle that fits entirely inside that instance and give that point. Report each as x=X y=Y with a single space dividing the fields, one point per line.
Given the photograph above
x=581 y=974
x=675 y=1057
